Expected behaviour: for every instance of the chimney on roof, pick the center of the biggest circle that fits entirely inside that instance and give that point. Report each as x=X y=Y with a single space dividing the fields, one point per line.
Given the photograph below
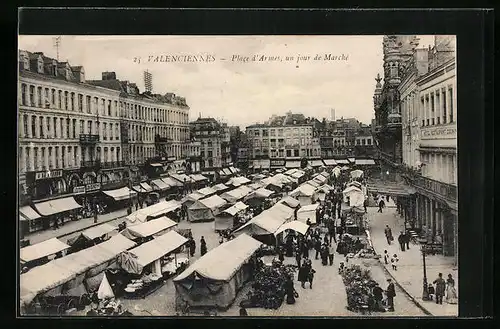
x=108 y=76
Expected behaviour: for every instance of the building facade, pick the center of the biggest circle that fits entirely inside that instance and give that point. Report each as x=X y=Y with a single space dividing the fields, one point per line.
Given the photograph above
x=428 y=107
x=75 y=132
x=213 y=137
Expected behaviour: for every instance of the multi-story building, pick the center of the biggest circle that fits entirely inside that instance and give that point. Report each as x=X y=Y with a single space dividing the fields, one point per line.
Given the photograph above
x=66 y=126
x=364 y=145
x=290 y=137
x=398 y=51
x=214 y=145
x=74 y=132
x=428 y=107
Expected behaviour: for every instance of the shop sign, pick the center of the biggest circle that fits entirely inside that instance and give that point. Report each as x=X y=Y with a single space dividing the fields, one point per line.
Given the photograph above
x=48 y=174
x=78 y=190
x=439 y=132
x=277 y=163
x=92 y=187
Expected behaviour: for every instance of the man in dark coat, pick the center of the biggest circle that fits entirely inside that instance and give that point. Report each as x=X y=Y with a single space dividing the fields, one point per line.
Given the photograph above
x=407 y=240
x=388 y=234
x=377 y=296
x=303 y=272
x=298 y=256
x=401 y=241
x=391 y=293
x=317 y=247
x=192 y=246
x=203 y=246
x=440 y=288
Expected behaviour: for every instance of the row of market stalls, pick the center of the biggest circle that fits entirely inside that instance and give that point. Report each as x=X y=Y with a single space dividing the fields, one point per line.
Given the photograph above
x=271 y=164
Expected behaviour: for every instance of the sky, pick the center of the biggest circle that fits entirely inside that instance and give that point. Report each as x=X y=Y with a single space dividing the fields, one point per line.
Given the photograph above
x=239 y=92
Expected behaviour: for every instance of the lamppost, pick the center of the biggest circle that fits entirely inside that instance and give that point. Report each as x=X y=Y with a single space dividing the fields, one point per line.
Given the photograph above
x=425 y=293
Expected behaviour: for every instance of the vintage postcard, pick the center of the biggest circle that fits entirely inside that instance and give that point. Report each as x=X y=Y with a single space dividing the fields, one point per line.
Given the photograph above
x=238 y=175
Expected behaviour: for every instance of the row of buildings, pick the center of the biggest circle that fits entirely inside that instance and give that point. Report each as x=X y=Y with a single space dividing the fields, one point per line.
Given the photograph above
x=294 y=137
x=74 y=132
x=416 y=130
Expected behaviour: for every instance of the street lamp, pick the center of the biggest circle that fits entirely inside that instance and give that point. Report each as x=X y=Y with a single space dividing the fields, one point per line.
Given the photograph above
x=425 y=292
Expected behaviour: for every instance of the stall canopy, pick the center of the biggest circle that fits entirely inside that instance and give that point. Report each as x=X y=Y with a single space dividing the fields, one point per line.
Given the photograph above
x=325 y=188
x=28 y=213
x=42 y=249
x=181 y=178
x=364 y=162
x=292 y=164
x=261 y=193
x=290 y=202
x=283 y=178
x=236 y=208
x=267 y=222
x=205 y=209
x=356 y=173
x=146 y=187
x=355 y=184
x=207 y=191
x=171 y=182
x=59 y=271
x=342 y=161
x=56 y=206
x=151 y=227
x=98 y=231
x=160 y=184
x=222 y=262
x=298 y=174
x=290 y=171
x=240 y=180
x=121 y=193
x=155 y=249
x=198 y=177
x=355 y=195
x=330 y=162
x=256 y=185
x=307 y=212
x=158 y=209
x=236 y=194
x=386 y=188
x=316 y=163
x=295 y=225
x=303 y=190
x=213 y=202
x=220 y=187
x=313 y=183
x=259 y=177
x=320 y=179
x=272 y=181
x=192 y=197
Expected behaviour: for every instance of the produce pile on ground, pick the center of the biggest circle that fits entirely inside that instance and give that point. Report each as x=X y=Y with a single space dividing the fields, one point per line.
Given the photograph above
x=359 y=285
x=269 y=285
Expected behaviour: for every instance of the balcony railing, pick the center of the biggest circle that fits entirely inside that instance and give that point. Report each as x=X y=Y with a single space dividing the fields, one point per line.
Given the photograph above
x=445 y=190
x=90 y=164
x=163 y=139
x=89 y=139
x=112 y=164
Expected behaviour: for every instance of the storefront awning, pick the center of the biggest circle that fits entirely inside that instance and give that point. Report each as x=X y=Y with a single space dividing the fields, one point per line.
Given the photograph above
x=316 y=163
x=330 y=162
x=171 y=182
x=342 y=161
x=146 y=187
x=42 y=249
x=160 y=184
x=156 y=165
x=56 y=206
x=227 y=172
x=390 y=189
x=121 y=193
x=28 y=213
x=292 y=164
x=364 y=162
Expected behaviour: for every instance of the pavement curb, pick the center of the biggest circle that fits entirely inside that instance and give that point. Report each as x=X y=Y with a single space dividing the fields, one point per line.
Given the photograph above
x=413 y=299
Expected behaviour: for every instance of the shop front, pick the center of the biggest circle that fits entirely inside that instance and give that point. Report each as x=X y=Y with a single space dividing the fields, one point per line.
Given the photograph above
x=277 y=164
x=45 y=184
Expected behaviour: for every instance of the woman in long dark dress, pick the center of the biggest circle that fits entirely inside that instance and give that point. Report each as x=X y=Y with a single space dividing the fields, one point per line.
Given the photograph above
x=290 y=291
x=203 y=246
x=289 y=246
x=303 y=272
x=324 y=254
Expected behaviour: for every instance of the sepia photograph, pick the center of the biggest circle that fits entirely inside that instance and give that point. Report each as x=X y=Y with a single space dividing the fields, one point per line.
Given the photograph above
x=228 y=176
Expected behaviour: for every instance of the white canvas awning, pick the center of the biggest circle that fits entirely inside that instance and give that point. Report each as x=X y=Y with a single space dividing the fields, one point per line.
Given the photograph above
x=295 y=225
x=356 y=173
x=198 y=177
x=240 y=180
x=290 y=202
x=28 y=213
x=303 y=190
x=233 y=210
x=42 y=249
x=298 y=174
x=364 y=162
x=192 y=197
x=56 y=206
x=262 y=193
x=207 y=191
x=151 y=227
x=213 y=202
x=342 y=161
x=98 y=231
x=330 y=162
x=121 y=193
x=146 y=187
x=316 y=163
x=160 y=184
x=307 y=212
x=183 y=178
x=236 y=194
x=220 y=187
x=171 y=182
x=292 y=164
x=158 y=209
x=313 y=183
x=160 y=246
x=220 y=263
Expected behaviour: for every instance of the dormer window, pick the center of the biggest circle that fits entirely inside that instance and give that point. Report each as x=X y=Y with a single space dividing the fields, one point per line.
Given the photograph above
x=40 y=65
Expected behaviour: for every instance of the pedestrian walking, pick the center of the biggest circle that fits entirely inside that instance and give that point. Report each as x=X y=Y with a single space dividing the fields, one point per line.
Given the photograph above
x=192 y=246
x=381 y=205
x=331 y=252
x=365 y=205
x=298 y=257
x=378 y=296
x=303 y=272
x=401 y=241
x=440 y=288
x=310 y=276
x=324 y=254
x=317 y=247
x=386 y=257
x=451 y=292
x=391 y=293
x=407 y=239
x=394 y=262
x=388 y=234
x=203 y=246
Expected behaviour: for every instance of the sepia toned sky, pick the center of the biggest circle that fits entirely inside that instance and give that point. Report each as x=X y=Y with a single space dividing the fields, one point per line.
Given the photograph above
x=240 y=93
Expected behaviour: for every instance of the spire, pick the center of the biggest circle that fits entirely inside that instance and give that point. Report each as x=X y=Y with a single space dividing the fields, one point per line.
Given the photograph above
x=378 y=79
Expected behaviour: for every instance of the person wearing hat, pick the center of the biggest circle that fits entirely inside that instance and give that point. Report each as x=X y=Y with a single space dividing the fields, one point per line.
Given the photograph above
x=378 y=296
x=391 y=293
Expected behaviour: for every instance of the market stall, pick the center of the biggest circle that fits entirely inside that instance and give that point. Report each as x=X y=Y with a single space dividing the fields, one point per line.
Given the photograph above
x=154 y=211
x=355 y=218
x=258 y=196
x=290 y=202
x=40 y=253
x=356 y=173
x=353 y=196
x=308 y=212
x=323 y=190
x=191 y=198
x=304 y=193
x=205 y=209
x=236 y=194
x=256 y=185
x=225 y=219
x=91 y=236
x=214 y=280
x=207 y=191
x=295 y=225
x=238 y=181
x=154 y=227
x=221 y=188
x=330 y=162
x=272 y=184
